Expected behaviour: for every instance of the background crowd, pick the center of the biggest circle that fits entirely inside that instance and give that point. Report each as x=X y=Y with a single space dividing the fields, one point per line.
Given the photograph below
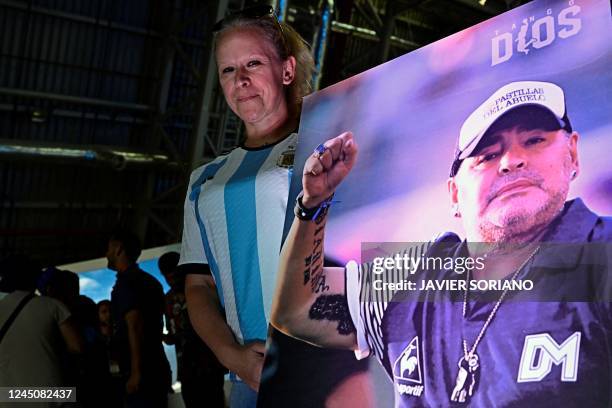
x=112 y=351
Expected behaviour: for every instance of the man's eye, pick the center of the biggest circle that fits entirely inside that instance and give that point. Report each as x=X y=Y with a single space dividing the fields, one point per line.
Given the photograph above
x=253 y=63
x=487 y=157
x=227 y=70
x=534 y=140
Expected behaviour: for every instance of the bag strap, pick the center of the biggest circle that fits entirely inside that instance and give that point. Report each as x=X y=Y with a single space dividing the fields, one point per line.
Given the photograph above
x=13 y=315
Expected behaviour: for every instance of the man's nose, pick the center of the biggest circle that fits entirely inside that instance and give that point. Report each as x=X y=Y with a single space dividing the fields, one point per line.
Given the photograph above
x=514 y=158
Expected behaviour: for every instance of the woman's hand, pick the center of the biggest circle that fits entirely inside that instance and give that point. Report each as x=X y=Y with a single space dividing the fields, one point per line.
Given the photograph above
x=246 y=361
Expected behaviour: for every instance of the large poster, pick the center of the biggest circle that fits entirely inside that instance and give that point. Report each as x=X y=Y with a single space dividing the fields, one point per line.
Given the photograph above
x=406 y=116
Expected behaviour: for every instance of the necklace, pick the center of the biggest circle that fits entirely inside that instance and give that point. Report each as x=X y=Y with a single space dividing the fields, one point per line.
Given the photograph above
x=469 y=364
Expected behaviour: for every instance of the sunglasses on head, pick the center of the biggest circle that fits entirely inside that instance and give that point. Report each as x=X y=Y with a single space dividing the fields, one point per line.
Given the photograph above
x=254 y=13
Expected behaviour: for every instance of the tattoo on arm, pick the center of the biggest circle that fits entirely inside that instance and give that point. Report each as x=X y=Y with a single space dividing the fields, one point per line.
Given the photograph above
x=313 y=264
x=333 y=308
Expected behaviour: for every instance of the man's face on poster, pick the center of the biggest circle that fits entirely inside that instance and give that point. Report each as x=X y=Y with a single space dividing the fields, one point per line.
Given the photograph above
x=515 y=181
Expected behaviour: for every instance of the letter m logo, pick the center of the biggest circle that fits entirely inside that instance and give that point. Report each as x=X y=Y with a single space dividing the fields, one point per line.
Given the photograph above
x=540 y=351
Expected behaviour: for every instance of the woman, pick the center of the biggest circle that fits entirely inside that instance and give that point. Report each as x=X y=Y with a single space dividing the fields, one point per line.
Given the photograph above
x=235 y=205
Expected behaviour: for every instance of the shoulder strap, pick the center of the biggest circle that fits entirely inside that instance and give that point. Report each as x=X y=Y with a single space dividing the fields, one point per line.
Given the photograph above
x=13 y=315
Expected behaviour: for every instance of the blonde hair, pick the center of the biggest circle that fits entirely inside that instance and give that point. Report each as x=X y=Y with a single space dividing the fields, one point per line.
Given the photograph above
x=286 y=42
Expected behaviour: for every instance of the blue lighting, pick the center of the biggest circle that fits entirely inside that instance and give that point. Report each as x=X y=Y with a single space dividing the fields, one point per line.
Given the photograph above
x=282 y=5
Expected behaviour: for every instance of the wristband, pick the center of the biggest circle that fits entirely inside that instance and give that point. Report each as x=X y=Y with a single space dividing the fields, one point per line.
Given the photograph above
x=312 y=214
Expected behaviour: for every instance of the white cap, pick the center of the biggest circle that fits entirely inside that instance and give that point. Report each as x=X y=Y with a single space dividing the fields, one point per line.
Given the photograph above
x=506 y=98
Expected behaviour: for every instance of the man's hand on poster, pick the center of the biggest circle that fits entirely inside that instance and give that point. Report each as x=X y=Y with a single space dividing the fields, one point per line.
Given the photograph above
x=327 y=167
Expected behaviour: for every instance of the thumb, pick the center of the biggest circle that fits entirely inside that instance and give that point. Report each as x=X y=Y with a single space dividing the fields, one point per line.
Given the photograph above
x=258 y=347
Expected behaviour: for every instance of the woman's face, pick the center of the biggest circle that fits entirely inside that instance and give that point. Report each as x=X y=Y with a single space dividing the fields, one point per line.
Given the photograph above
x=252 y=76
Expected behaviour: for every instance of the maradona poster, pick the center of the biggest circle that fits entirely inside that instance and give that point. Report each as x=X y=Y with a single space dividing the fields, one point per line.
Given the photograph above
x=500 y=133
x=411 y=115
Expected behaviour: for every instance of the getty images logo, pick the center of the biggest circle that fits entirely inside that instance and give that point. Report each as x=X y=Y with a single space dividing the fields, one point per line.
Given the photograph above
x=533 y=34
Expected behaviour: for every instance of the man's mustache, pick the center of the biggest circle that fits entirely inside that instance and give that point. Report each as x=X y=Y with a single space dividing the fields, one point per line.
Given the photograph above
x=529 y=176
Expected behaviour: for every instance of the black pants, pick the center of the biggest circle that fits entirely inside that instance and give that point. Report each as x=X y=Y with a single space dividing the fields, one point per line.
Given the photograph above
x=147 y=399
x=297 y=374
x=152 y=393
x=203 y=391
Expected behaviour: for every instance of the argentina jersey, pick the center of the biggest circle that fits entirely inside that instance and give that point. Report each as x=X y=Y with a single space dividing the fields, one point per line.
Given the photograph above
x=234 y=216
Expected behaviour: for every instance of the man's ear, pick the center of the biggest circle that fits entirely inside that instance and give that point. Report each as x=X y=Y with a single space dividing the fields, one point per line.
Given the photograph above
x=289 y=70
x=573 y=151
x=453 y=195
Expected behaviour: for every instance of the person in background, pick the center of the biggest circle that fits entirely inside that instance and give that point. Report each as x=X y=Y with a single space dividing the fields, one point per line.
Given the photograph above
x=200 y=373
x=35 y=331
x=104 y=319
x=105 y=333
x=94 y=374
x=62 y=285
x=137 y=302
x=234 y=217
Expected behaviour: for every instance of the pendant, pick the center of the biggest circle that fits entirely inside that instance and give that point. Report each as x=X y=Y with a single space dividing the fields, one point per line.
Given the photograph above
x=467 y=379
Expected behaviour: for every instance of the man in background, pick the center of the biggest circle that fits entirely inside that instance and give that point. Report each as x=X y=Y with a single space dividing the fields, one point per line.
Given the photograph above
x=137 y=302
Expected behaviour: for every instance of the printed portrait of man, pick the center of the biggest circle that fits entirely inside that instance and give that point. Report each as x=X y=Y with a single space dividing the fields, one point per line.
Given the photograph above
x=527 y=197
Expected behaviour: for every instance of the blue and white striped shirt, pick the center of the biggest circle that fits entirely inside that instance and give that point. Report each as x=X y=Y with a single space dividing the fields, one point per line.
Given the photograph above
x=234 y=217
